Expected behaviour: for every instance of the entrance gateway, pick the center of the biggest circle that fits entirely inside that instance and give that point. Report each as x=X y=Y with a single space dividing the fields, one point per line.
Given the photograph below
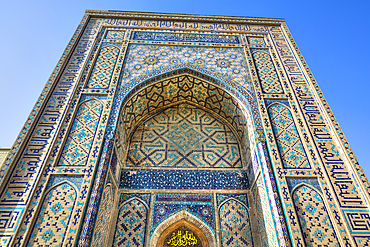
x=182 y=130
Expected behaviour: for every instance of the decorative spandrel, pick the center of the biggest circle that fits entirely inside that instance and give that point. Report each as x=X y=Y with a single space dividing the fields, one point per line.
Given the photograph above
x=182 y=236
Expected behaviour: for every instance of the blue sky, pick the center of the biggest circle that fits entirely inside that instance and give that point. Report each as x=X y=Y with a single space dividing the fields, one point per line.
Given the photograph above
x=332 y=36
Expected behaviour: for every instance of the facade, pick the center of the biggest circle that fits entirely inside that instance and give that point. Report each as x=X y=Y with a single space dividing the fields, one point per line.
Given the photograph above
x=182 y=130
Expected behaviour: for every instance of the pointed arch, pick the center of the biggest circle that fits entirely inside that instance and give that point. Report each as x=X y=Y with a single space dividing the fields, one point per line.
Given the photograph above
x=81 y=135
x=245 y=98
x=135 y=198
x=164 y=91
x=287 y=137
x=131 y=224
x=235 y=224
x=183 y=215
x=313 y=216
x=238 y=201
x=57 y=206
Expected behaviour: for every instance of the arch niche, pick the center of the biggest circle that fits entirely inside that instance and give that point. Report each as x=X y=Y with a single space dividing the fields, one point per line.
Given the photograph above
x=183 y=89
x=175 y=91
x=182 y=220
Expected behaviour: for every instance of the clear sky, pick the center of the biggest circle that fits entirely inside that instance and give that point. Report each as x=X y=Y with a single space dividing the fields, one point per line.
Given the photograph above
x=332 y=36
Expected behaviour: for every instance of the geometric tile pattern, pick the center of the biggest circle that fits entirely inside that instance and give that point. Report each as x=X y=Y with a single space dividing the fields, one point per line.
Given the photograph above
x=54 y=216
x=290 y=146
x=131 y=224
x=183 y=179
x=235 y=225
x=55 y=179
x=267 y=74
x=118 y=35
x=185 y=37
x=167 y=205
x=77 y=147
x=220 y=198
x=295 y=181
x=183 y=136
x=316 y=226
x=229 y=61
x=145 y=197
x=180 y=88
x=101 y=228
x=255 y=41
x=103 y=68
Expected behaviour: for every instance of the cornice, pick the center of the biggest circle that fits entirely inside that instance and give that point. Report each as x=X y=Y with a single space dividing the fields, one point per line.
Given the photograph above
x=184 y=17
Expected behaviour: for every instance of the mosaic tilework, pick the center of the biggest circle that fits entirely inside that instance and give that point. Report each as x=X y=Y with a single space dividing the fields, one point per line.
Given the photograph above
x=55 y=179
x=267 y=74
x=81 y=135
x=166 y=205
x=294 y=181
x=290 y=146
x=256 y=41
x=117 y=35
x=101 y=228
x=235 y=224
x=185 y=179
x=183 y=136
x=39 y=132
x=145 y=197
x=131 y=224
x=220 y=198
x=185 y=37
x=329 y=143
x=286 y=55
x=313 y=217
x=228 y=61
x=184 y=87
x=191 y=22
x=200 y=72
x=103 y=68
x=53 y=219
x=89 y=33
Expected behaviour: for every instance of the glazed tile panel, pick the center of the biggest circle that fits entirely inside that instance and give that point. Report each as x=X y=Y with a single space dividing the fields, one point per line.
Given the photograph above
x=184 y=136
x=177 y=89
x=235 y=224
x=184 y=179
x=48 y=184
x=131 y=224
x=199 y=205
x=266 y=71
x=313 y=217
x=287 y=137
x=20 y=183
x=78 y=145
x=53 y=220
x=103 y=68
